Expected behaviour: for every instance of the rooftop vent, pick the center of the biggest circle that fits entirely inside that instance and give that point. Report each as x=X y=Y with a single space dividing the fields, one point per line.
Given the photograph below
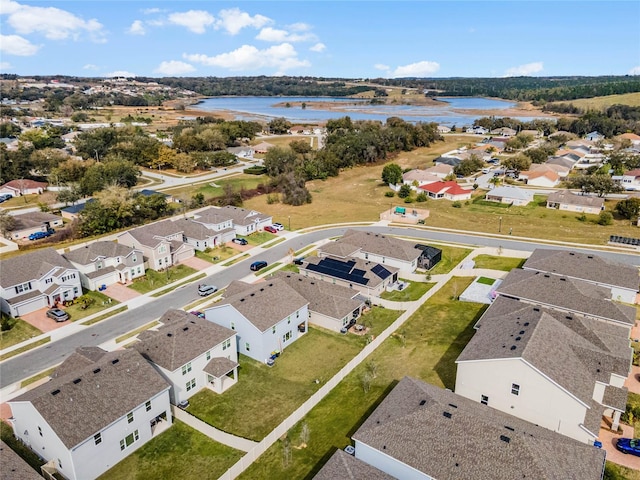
x=262 y=289
x=271 y=284
x=184 y=329
x=521 y=332
x=452 y=405
x=505 y=439
x=97 y=370
x=509 y=428
x=446 y=414
x=422 y=402
x=526 y=324
x=562 y=279
x=568 y=317
x=513 y=347
x=114 y=361
x=242 y=299
x=546 y=276
x=77 y=381
x=313 y=283
x=56 y=391
x=169 y=334
x=518 y=339
x=589 y=256
x=571 y=253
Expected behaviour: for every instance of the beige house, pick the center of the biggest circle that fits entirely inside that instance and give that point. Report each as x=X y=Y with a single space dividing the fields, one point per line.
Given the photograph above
x=509 y=195
x=566 y=200
x=23 y=186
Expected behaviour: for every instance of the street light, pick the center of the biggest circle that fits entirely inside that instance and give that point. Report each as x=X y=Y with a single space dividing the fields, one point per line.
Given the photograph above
x=500 y=225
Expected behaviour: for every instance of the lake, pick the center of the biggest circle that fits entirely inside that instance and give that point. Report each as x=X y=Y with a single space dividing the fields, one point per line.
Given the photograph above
x=264 y=108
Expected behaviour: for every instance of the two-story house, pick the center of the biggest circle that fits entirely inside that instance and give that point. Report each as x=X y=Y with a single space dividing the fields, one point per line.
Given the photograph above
x=191 y=354
x=214 y=219
x=98 y=408
x=267 y=316
x=35 y=280
x=105 y=263
x=246 y=222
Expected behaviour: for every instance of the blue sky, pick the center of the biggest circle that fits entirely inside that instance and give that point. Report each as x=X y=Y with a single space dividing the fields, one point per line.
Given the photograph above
x=353 y=39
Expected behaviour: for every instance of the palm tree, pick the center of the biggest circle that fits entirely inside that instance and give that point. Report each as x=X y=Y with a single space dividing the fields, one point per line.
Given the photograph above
x=495 y=181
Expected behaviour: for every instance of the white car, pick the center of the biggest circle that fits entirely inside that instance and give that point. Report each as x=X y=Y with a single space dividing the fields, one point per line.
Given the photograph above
x=278 y=226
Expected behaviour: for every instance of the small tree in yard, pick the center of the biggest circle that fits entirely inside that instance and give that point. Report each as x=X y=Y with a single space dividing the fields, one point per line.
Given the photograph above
x=305 y=434
x=605 y=218
x=365 y=380
x=392 y=174
x=405 y=191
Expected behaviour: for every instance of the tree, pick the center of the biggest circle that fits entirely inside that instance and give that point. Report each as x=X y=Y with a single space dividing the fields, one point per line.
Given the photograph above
x=7 y=222
x=519 y=163
x=605 y=218
x=405 y=191
x=279 y=126
x=392 y=174
x=602 y=184
x=468 y=166
x=629 y=208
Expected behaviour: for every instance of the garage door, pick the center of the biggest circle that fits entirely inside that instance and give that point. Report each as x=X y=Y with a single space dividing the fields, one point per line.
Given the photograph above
x=31 y=305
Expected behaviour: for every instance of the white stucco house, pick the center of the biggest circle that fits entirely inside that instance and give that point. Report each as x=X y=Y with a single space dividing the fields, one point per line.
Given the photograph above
x=191 y=354
x=267 y=316
x=510 y=195
x=570 y=202
x=97 y=409
x=35 y=280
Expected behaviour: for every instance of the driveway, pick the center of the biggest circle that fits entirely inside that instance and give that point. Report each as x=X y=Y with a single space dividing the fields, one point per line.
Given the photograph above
x=120 y=292
x=40 y=320
x=196 y=263
x=608 y=439
x=240 y=248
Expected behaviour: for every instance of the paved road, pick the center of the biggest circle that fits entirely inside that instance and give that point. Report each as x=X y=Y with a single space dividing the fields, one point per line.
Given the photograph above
x=28 y=364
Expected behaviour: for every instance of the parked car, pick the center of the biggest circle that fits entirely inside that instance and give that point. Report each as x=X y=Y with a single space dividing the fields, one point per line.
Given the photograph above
x=240 y=241
x=58 y=314
x=298 y=261
x=4 y=197
x=259 y=265
x=278 y=226
x=629 y=445
x=204 y=290
x=270 y=229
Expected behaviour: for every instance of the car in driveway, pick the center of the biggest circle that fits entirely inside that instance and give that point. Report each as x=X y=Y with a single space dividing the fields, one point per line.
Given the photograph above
x=629 y=445
x=58 y=314
x=39 y=235
x=278 y=226
x=240 y=241
x=270 y=229
x=259 y=265
x=204 y=290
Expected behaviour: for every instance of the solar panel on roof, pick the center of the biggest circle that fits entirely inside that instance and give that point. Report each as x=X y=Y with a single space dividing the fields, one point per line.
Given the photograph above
x=343 y=275
x=380 y=271
x=338 y=265
x=358 y=272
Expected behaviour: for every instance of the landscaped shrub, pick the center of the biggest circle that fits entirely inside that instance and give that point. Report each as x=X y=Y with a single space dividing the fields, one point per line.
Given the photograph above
x=606 y=218
x=255 y=170
x=405 y=191
x=456 y=204
x=389 y=194
x=408 y=200
x=273 y=198
x=421 y=197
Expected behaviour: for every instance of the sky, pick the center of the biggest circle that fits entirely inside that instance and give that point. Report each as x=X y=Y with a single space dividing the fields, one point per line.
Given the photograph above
x=347 y=39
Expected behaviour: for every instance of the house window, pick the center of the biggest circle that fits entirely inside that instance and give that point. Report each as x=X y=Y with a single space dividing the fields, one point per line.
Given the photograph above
x=134 y=258
x=484 y=400
x=515 y=389
x=40 y=431
x=130 y=417
x=366 y=256
x=191 y=384
x=129 y=439
x=247 y=347
x=287 y=336
x=162 y=249
x=48 y=281
x=97 y=438
x=159 y=261
x=25 y=287
x=147 y=405
x=99 y=265
x=209 y=355
x=298 y=314
x=186 y=368
x=226 y=344
x=75 y=290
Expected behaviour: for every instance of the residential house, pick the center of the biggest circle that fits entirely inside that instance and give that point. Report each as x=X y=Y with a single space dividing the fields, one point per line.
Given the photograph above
x=420 y=431
x=72 y=212
x=148 y=192
x=197 y=235
x=105 y=263
x=448 y=190
x=28 y=223
x=441 y=171
x=569 y=201
x=565 y=162
x=532 y=133
x=622 y=280
x=267 y=316
x=594 y=136
x=98 y=408
x=477 y=130
x=504 y=132
x=566 y=294
x=364 y=276
x=14 y=467
x=263 y=147
x=631 y=180
x=375 y=247
x=23 y=186
x=35 y=280
x=242 y=152
x=632 y=137
x=540 y=177
x=510 y=195
x=498 y=143
x=246 y=222
x=416 y=178
x=561 y=133
x=443 y=129
x=343 y=465
x=330 y=306
x=218 y=221
x=191 y=353
x=557 y=370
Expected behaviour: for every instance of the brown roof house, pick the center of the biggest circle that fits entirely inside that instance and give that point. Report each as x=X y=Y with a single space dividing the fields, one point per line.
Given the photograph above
x=98 y=408
x=560 y=370
x=571 y=202
x=267 y=316
x=23 y=186
x=191 y=354
x=14 y=467
x=422 y=431
x=32 y=222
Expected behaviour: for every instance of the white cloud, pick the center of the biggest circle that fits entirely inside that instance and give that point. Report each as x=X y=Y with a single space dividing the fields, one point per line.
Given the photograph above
x=120 y=73
x=174 y=68
x=418 y=69
x=318 y=47
x=194 y=20
x=149 y=11
x=53 y=23
x=635 y=70
x=5 y=66
x=275 y=35
x=382 y=66
x=137 y=28
x=233 y=20
x=90 y=66
x=17 y=45
x=280 y=57
x=300 y=27
x=524 y=70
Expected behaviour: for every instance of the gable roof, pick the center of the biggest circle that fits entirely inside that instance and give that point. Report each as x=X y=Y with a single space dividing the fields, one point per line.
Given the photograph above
x=242 y=216
x=511 y=192
x=533 y=174
x=182 y=338
x=567 y=197
x=445 y=435
x=450 y=187
x=593 y=268
x=31 y=266
x=379 y=244
x=193 y=229
x=94 y=391
x=341 y=465
x=265 y=304
x=212 y=215
x=565 y=293
x=23 y=184
x=14 y=467
x=90 y=253
x=33 y=219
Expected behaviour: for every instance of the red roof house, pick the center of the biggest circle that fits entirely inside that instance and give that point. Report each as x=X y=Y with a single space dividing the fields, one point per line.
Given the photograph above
x=449 y=190
x=23 y=186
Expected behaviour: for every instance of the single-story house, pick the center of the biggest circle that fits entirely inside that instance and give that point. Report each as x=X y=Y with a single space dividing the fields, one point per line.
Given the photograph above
x=510 y=195
x=631 y=179
x=540 y=177
x=243 y=152
x=632 y=137
x=571 y=202
x=97 y=409
x=532 y=133
x=477 y=130
x=73 y=211
x=451 y=161
x=594 y=136
x=448 y=190
x=148 y=192
x=504 y=131
x=23 y=186
x=565 y=162
x=443 y=129
x=28 y=223
x=418 y=178
x=191 y=353
x=105 y=263
x=441 y=170
x=267 y=316
x=263 y=147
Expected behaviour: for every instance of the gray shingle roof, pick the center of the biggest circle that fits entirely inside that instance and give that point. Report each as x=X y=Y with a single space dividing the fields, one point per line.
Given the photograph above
x=265 y=304
x=212 y=215
x=194 y=229
x=219 y=366
x=472 y=442
x=334 y=301
x=371 y=279
x=90 y=253
x=615 y=397
x=566 y=293
x=379 y=244
x=33 y=219
x=13 y=467
x=569 y=198
x=341 y=466
x=242 y=216
x=95 y=394
x=511 y=192
x=592 y=268
x=182 y=338
x=30 y=266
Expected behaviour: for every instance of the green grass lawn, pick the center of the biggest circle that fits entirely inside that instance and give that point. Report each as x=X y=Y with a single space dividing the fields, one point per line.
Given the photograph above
x=486 y=281
x=273 y=266
x=377 y=319
x=154 y=280
x=433 y=338
x=19 y=332
x=414 y=291
x=264 y=396
x=290 y=267
x=180 y=452
x=96 y=303
x=258 y=238
x=614 y=471
x=451 y=256
x=498 y=263
x=217 y=254
x=237 y=182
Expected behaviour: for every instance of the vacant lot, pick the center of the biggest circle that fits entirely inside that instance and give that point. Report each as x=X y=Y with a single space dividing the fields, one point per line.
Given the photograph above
x=215 y=188
x=154 y=280
x=498 y=263
x=600 y=103
x=19 y=332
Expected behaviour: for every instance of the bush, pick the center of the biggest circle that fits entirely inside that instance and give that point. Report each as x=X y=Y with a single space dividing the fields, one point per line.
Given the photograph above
x=422 y=197
x=456 y=204
x=390 y=194
x=273 y=198
x=255 y=170
x=582 y=218
x=408 y=200
x=606 y=218
x=405 y=191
